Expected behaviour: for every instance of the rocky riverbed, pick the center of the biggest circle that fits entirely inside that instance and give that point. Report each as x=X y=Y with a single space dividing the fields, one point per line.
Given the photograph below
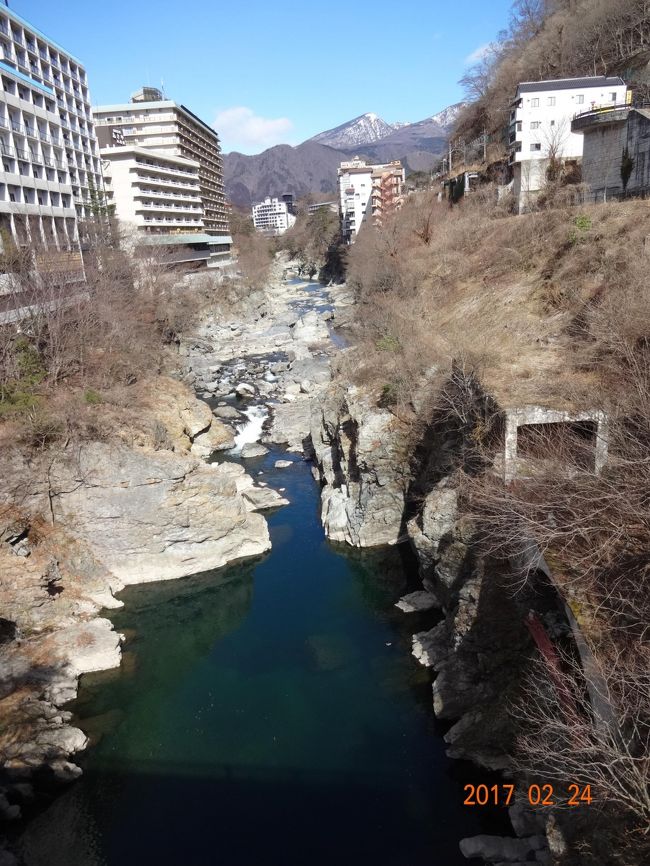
x=159 y=504
x=150 y=503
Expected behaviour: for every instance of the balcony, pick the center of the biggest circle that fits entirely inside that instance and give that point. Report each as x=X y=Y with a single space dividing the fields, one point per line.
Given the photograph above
x=600 y=116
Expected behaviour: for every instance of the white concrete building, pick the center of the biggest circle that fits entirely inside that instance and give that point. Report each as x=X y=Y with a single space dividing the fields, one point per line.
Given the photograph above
x=355 y=196
x=272 y=216
x=367 y=191
x=540 y=125
x=50 y=158
x=157 y=124
x=166 y=175
x=154 y=192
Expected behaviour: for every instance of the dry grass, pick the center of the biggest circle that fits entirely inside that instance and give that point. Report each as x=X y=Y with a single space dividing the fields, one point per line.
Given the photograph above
x=506 y=295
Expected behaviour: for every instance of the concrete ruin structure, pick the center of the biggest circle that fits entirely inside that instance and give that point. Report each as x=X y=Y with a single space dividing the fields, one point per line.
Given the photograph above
x=540 y=415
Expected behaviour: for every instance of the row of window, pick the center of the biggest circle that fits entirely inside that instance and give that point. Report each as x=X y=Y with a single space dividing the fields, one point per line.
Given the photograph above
x=29 y=195
x=579 y=99
x=44 y=51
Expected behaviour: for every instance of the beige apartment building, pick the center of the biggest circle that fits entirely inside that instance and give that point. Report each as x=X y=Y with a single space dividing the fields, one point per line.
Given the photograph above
x=159 y=157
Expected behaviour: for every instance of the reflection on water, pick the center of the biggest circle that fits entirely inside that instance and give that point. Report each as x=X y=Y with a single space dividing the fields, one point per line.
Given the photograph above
x=272 y=714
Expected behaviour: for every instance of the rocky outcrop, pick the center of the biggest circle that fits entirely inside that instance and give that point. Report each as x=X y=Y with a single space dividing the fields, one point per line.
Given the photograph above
x=357 y=450
x=477 y=640
x=153 y=516
x=79 y=523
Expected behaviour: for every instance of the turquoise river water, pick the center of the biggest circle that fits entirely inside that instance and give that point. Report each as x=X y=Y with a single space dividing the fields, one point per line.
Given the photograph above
x=266 y=713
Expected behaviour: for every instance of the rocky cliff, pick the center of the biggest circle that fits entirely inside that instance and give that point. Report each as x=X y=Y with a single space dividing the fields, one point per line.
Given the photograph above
x=371 y=495
x=76 y=525
x=360 y=463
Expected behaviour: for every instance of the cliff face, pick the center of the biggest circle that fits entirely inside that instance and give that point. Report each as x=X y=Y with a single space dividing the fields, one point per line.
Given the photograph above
x=358 y=456
x=76 y=525
x=476 y=652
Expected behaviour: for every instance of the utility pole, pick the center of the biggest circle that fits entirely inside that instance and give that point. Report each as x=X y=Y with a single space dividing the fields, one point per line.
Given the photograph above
x=484 y=145
x=449 y=156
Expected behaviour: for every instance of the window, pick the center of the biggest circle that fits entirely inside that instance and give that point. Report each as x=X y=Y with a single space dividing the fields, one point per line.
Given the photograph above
x=612 y=96
x=535 y=145
x=580 y=98
x=550 y=100
x=552 y=123
x=535 y=124
x=534 y=103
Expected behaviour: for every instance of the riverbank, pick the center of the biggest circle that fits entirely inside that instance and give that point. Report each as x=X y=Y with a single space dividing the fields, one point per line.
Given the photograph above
x=69 y=543
x=278 y=692
x=263 y=376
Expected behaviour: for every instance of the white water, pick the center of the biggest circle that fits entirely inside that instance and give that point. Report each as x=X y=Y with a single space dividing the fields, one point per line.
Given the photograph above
x=251 y=431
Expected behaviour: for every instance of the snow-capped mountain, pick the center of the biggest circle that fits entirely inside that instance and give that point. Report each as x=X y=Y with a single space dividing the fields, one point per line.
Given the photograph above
x=311 y=166
x=447 y=117
x=365 y=129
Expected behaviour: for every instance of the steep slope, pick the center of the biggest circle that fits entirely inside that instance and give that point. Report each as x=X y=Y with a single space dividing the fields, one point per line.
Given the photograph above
x=365 y=129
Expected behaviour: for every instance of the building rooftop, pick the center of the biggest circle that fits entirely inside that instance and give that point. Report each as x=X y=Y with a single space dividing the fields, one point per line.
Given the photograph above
x=570 y=83
x=131 y=107
x=159 y=155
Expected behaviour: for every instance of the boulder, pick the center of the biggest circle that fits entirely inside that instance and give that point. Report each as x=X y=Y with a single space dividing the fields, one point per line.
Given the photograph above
x=417 y=601
x=253 y=449
x=244 y=390
x=283 y=464
x=262 y=498
x=189 y=517
x=86 y=646
x=505 y=849
x=217 y=437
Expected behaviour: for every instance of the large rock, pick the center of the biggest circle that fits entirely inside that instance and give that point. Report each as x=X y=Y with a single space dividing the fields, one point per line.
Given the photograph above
x=417 y=601
x=433 y=523
x=357 y=447
x=217 y=437
x=154 y=516
x=505 y=849
x=87 y=646
x=253 y=449
x=291 y=423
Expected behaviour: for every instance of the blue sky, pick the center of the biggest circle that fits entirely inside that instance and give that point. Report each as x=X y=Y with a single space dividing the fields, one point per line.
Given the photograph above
x=265 y=72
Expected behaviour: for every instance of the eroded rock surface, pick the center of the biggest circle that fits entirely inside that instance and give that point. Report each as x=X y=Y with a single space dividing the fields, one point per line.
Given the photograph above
x=357 y=450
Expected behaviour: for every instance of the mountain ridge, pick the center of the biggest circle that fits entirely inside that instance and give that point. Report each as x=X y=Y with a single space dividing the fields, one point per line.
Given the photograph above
x=310 y=167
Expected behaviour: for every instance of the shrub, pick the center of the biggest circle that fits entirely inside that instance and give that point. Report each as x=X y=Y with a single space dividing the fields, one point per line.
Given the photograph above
x=92 y=397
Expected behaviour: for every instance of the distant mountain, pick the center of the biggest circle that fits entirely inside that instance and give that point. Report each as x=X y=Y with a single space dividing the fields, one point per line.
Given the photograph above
x=364 y=129
x=447 y=117
x=312 y=165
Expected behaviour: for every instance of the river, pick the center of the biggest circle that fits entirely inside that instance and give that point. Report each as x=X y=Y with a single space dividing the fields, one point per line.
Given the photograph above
x=267 y=713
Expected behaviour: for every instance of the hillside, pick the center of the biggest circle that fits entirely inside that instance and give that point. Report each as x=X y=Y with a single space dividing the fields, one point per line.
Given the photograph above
x=563 y=39
x=310 y=167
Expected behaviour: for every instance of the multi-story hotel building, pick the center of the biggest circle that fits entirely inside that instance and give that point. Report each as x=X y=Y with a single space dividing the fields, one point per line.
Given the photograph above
x=160 y=125
x=158 y=195
x=272 y=216
x=50 y=159
x=367 y=191
x=540 y=126
x=157 y=192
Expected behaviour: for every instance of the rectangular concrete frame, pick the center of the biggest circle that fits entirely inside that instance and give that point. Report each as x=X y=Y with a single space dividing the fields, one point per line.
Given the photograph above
x=524 y=415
